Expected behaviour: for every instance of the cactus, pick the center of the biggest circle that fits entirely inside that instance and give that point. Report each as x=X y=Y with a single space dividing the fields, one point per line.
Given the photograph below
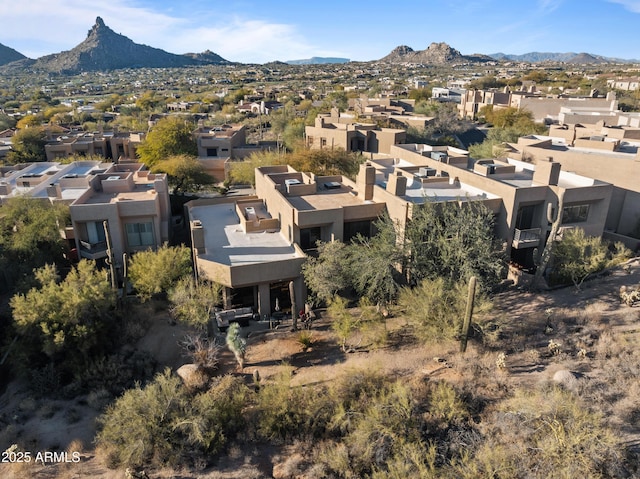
x=237 y=345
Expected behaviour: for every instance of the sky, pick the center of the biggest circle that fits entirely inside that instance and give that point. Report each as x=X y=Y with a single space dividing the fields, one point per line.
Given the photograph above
x=259 y=31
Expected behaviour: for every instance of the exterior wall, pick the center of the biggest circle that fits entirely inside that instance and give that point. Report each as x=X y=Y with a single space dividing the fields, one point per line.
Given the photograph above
x=106 y=199
x=330 y=132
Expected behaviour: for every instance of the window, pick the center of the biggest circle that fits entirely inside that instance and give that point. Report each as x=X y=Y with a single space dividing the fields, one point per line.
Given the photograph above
x=309 y=237
x=575 y=214
x=140 y=234
x=212 y=152
x=95 y=232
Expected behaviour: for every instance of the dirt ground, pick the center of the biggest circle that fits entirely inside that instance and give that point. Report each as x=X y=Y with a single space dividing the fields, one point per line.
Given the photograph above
x=524 y=322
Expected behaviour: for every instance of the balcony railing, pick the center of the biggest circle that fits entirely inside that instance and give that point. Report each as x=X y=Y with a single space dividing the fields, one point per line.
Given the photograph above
x=528 y=238
x=93 y=250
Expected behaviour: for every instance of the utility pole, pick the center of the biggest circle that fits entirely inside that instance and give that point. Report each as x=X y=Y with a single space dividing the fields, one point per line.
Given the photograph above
x=466 y=325
x=112 y=268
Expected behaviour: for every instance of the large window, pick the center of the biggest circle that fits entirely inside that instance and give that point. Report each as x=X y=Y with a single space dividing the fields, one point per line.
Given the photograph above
x=95 y=232
x=140 y=234
x=575 y=214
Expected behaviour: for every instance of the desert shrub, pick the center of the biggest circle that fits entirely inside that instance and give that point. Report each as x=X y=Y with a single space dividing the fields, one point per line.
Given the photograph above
x=201 y=350
x=284 y=412
x=436 y=307
x=375 y=430
x=547 y=433
x=445 y=404
x=305 y=340
x=578 y=256
x=162 y=424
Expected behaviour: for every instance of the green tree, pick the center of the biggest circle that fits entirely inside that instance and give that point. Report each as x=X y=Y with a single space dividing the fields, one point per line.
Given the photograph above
x=30 y=235
x=185 y=173
x=193 y=303
x=325 y=275
x=162 y=424
x=243 y=172
x=375 y=264
x=65 y=319
x=28 y=145
x=171 y=136
x=6 y=121
x=454 y=242
x=334 y=161
x=156 y=272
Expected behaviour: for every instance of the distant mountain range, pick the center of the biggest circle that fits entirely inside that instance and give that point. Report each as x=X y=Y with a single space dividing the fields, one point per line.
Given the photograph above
x=104 y=50
x=569 y=57
x=317 y=61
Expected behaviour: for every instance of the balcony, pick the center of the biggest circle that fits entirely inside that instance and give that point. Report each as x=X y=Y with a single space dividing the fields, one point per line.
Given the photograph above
x=93 y=250
x=529 y=238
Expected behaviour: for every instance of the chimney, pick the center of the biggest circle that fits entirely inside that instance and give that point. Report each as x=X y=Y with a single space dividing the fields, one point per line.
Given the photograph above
x=547 y=172
x=5 y=188
x=54 y=190
x=397 y=184
x=197 y=236
x=365 y=180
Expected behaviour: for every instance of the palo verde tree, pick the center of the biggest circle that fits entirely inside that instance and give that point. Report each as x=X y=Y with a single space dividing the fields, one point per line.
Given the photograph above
x=30 y=236
x=65 y=319
x=193 y=303
x=157 y=272
x=169 y=137
x=185 y=173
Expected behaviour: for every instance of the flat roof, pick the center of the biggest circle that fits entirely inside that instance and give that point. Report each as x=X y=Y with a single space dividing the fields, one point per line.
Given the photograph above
x=227 y=243
x=419 y=193
x=326 y=199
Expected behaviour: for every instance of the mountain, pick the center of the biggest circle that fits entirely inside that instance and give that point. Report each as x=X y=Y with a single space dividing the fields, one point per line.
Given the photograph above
x=436 y=54
x=8 y=55
x=207 y=57
x=568 y=57
x=104 y=49
x=317 y=61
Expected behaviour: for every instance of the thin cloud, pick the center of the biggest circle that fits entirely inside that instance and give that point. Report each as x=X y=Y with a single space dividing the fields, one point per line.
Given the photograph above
x=548 y=6
x=234 y=38
x=252 y=41
x=631 y=5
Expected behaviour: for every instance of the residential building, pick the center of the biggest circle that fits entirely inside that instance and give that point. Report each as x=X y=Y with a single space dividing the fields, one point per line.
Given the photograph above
x=329 y=132
x=117 y=146
x=133 y=202
x=610 y=154
x=544 y=108
x=255 y=246
x=217 y=145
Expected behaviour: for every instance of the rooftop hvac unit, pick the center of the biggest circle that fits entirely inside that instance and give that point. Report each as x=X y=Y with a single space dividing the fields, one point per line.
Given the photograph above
x=438 y=156
x=291 y=181
x=425 y=171
x=250 y=213
x=332 y=185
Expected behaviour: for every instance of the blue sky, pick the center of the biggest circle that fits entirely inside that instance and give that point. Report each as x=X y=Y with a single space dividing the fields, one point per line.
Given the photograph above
x=253 y=31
